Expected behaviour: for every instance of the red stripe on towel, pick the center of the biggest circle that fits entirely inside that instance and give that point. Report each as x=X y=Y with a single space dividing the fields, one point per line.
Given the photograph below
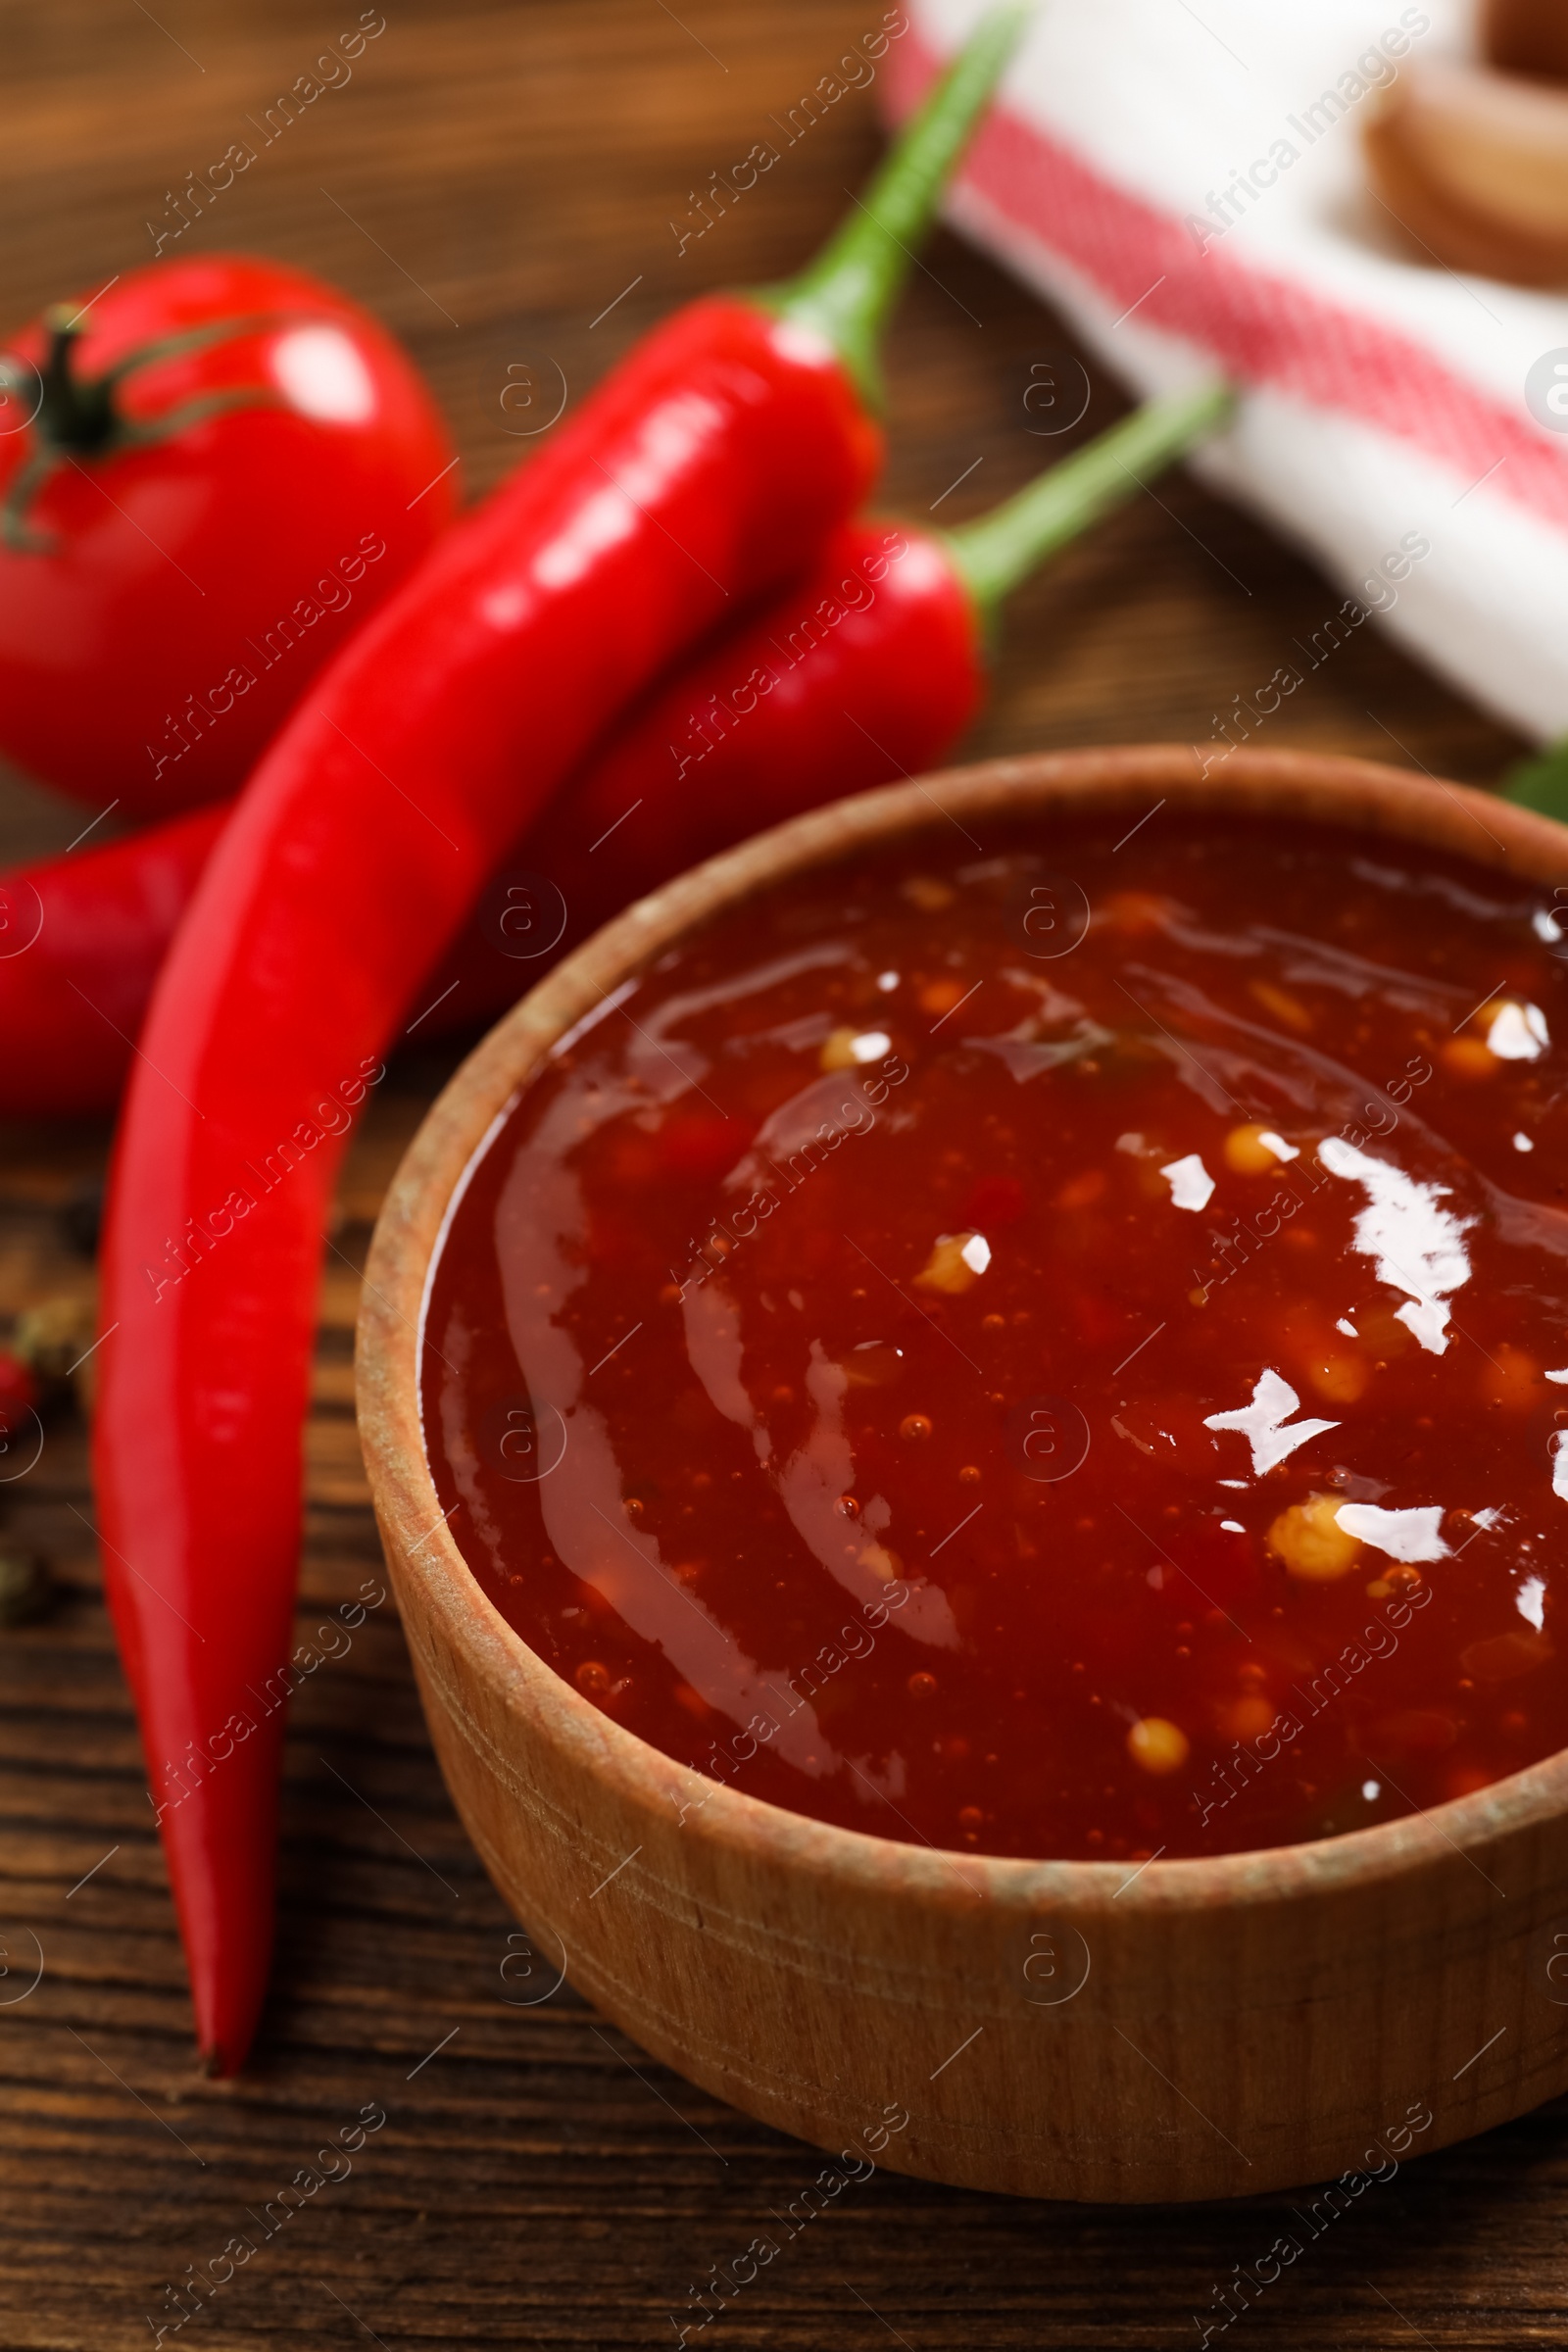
x=1261 y=328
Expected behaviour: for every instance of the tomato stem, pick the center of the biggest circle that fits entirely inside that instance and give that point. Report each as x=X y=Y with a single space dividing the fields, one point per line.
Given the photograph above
x=199 y=338
x=15 y=530
x=847 y=290
x=75 y=412
x=992 y=555
x=77 y=416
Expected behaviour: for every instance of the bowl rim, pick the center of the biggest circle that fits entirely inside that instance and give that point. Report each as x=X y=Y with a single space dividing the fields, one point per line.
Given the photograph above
x=1363 y=795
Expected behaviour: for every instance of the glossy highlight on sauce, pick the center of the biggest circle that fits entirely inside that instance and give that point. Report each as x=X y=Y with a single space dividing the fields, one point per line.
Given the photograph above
x=1053 y=1348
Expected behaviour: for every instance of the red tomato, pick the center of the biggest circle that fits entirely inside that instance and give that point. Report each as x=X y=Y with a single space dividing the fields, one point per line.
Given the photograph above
x=182 y=548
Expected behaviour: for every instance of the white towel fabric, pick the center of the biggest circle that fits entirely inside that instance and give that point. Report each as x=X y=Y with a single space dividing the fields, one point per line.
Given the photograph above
x=1385 y=401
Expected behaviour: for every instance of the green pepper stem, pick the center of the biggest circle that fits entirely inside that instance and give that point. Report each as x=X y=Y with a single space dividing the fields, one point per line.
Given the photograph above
x=1542 y=782
x=993 y=553
x=847 y=290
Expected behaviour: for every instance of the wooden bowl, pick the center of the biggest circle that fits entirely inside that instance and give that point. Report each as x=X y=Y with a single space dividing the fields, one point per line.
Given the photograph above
x=1194 y=2029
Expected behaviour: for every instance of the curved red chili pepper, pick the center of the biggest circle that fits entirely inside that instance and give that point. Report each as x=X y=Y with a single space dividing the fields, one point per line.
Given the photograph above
x=871 y=666
x=712 y=462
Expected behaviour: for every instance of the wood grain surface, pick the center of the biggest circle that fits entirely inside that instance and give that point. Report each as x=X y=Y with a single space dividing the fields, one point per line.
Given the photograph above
x=491 y=180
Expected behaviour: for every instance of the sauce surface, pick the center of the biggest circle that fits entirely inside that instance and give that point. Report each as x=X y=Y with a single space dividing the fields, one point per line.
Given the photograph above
x=1054 y=1348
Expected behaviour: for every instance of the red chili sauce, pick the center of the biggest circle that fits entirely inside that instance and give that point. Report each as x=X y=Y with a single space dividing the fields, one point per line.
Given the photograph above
x=1054 y=1348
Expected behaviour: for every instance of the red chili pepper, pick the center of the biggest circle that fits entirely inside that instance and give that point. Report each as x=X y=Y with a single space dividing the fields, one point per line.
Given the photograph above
x=871 y=666
x=82 y=941
x=712 y=462
x=19 y=1391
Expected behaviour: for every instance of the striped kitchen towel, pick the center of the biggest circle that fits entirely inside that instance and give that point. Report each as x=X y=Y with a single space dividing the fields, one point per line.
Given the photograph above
x=1183 y=179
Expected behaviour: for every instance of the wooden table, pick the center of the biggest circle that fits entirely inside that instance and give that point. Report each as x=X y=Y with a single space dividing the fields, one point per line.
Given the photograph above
x=500 y=182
